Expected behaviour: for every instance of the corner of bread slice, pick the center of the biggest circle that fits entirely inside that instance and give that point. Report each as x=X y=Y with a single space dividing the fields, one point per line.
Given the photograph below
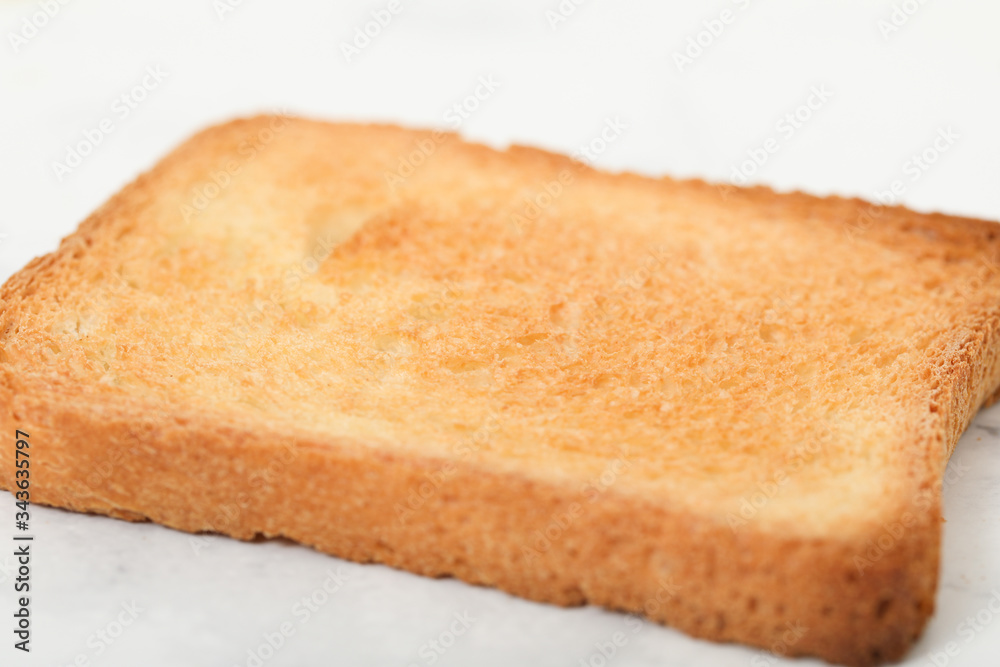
x=853 y=589
x=789 y=573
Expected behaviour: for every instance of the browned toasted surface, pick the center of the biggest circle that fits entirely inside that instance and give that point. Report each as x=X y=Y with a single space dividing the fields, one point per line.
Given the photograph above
x=575 y=386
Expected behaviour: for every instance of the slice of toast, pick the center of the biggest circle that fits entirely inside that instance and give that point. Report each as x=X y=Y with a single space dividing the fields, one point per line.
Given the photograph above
x=726 y=409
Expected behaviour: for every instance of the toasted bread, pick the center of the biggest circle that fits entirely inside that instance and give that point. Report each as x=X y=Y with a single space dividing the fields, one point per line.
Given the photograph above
x=726 y=409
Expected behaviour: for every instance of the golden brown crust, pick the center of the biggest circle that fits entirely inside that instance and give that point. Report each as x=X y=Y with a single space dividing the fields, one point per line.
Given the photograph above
x=198 y=473
x=860 y=598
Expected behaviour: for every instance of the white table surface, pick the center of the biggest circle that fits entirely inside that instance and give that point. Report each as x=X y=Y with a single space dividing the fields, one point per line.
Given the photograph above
x=890 y=94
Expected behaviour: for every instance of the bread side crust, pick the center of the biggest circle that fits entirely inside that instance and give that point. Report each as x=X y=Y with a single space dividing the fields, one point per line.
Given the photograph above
x=184 y=470
x=540 y=540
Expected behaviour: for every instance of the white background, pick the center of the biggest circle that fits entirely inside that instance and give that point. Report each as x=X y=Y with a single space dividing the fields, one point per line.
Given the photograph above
x=892 y=92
